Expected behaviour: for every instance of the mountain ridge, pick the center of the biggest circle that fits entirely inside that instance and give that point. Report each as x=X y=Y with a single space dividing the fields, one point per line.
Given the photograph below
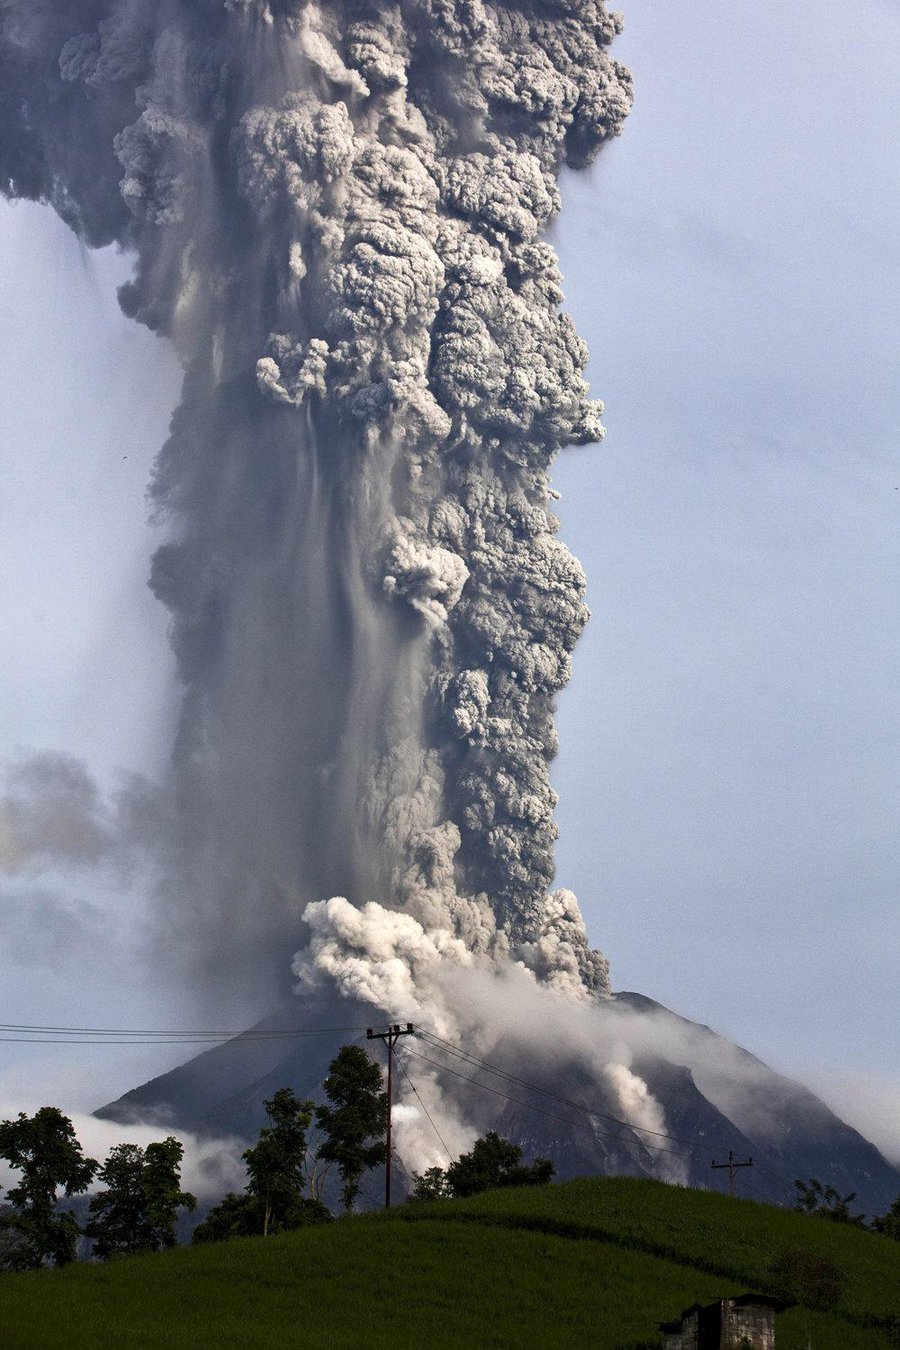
x=564 y=1113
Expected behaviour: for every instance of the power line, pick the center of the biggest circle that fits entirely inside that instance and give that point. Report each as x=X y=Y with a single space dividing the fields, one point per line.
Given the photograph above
x=766 y=1200
x=545 y=1092
x=177 y=1031
x=693 y=1150
x=34 y=1035
x=425 y=1109
x=756 y=1191
x=778 y=1181
x=694 y=1147
x=777 y=1176
x=529 y=1106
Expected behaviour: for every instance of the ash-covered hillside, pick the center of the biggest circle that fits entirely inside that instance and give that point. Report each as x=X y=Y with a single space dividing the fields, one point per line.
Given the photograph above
x=713 y=1097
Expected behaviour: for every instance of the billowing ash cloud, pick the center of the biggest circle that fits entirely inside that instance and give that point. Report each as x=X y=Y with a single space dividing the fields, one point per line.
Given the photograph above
x=337 y=213
x=501 y=1011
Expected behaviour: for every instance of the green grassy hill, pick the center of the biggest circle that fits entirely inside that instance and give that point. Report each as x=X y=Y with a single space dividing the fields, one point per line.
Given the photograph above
x=596 y=1262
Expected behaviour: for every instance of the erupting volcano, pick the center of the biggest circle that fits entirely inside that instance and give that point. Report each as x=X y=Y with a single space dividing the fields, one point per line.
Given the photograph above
x=337 y=214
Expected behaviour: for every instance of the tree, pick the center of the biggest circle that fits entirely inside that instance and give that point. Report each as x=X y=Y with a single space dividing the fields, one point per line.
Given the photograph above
x=275 y=1164
x=138 y=1209
x=234 y=1216
x=354 y=1120
x=162 y=1187
x=273 y=1200
x=117 y=1213
x=494 y=1161
x=12 y=1242
x=889 y=1224
x=430 y=1185
x=44 y=1149
x=805 y=1277
x=828 y=1203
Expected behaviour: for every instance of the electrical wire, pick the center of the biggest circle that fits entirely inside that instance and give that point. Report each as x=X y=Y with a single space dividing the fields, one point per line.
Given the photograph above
x=31 y=1034
x=788 y=1186
x=529 y=1106
x=35 y=1035
x=765 y=1199
x=545 y=1092
x=425 y=1109
x=776 y=1180
x=694 y=1149
x=156 y=1031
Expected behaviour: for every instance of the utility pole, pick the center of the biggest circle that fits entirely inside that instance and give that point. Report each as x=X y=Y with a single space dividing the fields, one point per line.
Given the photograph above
x=390 y=1038
x=732 y=1168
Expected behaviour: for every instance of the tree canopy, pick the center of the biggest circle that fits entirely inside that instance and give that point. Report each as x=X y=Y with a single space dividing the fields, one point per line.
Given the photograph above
x=353 y=1121
x=275 y=1164
x=828 y=1203
x=493 y=1161
x=805 y=1277
x=44 y=1149
x=138 y=1209
x=273 y=1199
x=889 y=1224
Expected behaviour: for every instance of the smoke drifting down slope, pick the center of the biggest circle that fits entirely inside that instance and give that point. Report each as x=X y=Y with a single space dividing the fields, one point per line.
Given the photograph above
x=336 y=211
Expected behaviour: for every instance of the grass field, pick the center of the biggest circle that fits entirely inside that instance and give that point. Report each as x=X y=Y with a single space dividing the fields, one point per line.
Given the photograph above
x=589 y=1263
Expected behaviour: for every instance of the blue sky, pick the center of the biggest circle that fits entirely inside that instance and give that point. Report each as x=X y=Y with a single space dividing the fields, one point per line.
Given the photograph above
x=728 y=766
x=728 y=776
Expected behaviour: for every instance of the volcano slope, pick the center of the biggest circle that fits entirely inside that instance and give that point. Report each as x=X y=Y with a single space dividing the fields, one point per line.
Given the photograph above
x=715 y=1097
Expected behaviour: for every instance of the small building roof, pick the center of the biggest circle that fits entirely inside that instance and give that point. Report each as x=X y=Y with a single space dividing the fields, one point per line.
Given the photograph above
x=742 y=1301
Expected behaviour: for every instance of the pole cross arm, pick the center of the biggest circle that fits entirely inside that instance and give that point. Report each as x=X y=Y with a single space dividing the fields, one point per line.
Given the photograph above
x=732 y=1167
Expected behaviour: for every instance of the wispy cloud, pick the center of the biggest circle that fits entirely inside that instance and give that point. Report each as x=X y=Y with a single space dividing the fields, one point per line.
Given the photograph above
x=867 y=1099
x=40 y=927
x=210 y=1167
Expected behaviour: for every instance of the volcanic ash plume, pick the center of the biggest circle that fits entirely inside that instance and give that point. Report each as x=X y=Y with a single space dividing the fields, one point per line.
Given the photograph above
x=336 y=211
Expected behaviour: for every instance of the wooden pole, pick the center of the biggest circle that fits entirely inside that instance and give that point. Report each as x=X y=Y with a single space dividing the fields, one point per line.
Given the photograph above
x=390 y=1109
x=390 y=1038
x=732 y=1168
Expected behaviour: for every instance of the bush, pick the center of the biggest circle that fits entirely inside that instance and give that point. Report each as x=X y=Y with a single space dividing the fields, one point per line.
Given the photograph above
x=803 y=1277
x=494 y=1161
x=245 y=1216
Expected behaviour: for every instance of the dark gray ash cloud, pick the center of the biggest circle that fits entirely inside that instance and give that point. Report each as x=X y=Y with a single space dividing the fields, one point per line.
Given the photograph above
x=337 y=212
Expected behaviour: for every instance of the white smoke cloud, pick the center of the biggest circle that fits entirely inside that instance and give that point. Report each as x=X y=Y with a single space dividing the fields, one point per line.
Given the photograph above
x=636 y=1102
x=488 y=1004
x=378 y=955
x=546 y=1031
